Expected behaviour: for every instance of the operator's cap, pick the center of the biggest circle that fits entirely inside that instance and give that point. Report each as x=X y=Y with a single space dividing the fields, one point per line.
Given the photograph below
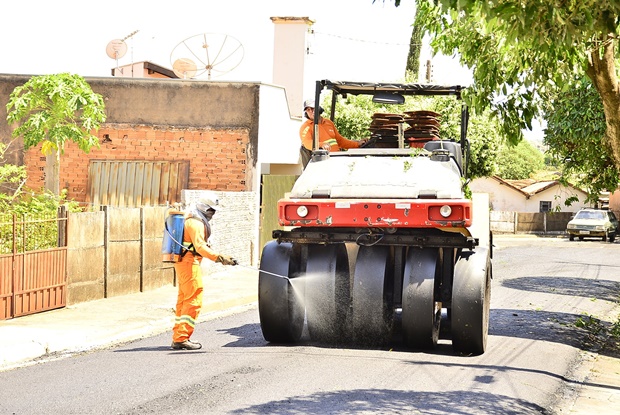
x=309 y=103
x=208 y=201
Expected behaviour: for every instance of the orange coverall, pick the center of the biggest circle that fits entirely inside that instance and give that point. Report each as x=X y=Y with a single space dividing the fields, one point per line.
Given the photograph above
x=189 y=274
x=328 y=135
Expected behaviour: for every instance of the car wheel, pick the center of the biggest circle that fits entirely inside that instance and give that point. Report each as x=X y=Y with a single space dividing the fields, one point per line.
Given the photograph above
x=571 y=237
x=605 y=238
x=581 y=238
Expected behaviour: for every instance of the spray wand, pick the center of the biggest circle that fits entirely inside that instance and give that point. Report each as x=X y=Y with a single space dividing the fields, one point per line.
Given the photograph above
x=262 y=270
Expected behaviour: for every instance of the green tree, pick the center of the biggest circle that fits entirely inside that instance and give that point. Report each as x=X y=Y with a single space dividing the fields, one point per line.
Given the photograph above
x=520 y=161
x=16 y=198
x=51 y=109
x=12 y=180
x=415 y=47
x=575 y=137
x=522 y=52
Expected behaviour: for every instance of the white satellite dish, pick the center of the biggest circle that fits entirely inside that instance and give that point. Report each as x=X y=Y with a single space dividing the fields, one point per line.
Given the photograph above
x=116 y=49
x=184 y=68
x=214 y=53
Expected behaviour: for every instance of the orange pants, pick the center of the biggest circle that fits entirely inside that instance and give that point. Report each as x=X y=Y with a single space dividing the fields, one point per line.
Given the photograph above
x=189 y=300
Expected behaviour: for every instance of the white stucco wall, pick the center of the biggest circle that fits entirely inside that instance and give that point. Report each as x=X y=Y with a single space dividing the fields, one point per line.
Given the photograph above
x=278 y=132
x=557 y=195
x=501 y=197
x=289 y=58
x=506 y=198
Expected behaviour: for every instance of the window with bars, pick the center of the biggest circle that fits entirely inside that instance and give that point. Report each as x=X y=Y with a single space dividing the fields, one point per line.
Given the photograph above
x=545 y=206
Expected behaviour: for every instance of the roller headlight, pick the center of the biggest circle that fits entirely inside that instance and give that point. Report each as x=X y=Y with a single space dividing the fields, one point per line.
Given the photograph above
x=445 y=211
x=302 y=211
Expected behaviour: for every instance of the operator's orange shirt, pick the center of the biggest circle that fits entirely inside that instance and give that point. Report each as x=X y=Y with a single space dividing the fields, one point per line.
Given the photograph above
x=328 y=136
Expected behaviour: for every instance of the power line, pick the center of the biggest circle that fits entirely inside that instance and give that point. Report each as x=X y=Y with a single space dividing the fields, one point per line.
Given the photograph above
x=314 y=32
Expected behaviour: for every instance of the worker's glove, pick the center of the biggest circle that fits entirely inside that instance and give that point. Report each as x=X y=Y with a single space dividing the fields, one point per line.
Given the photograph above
x=226 y=260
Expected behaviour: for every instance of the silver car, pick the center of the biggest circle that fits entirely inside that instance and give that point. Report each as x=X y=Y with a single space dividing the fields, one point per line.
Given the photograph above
x=595 y=223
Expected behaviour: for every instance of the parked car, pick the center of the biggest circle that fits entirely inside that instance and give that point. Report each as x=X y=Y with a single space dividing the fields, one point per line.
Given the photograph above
x=593 y=223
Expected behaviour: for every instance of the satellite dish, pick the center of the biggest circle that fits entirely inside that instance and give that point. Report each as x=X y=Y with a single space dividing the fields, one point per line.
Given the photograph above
x=184 y=68
x=215 y=53
x=116 y=49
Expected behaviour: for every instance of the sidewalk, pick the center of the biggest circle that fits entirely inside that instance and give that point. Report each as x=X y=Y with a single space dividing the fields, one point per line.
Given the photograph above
x=599 y=392
x=108 y=321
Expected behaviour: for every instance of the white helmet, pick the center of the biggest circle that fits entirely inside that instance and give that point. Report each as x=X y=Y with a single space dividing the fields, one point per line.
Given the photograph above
x=309 y=103
x=208 y=201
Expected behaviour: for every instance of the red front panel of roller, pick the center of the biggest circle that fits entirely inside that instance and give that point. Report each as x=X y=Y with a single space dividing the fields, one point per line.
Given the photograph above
x=419 y=213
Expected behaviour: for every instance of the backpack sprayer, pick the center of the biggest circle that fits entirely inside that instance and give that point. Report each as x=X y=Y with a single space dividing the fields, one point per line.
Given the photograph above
x=172 y=245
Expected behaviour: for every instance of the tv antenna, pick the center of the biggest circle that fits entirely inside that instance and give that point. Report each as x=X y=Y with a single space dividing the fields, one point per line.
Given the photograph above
x=117 y=48
x=213 y=54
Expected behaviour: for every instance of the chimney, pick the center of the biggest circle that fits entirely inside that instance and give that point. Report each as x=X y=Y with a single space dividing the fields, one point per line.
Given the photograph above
x=289 y=58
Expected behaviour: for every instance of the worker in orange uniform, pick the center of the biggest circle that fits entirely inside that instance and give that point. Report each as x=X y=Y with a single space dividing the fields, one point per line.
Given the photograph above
x=329 y=137
x=196 y=234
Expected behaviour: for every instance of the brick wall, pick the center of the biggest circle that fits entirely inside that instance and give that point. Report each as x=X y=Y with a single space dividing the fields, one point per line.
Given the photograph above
x=217 y=157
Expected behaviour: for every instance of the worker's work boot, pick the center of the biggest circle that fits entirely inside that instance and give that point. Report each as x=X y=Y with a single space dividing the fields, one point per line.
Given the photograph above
x=186 y=345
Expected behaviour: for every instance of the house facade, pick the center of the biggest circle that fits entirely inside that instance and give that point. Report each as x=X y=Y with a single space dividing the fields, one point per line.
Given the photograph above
x=528 y=196
x=167 y=134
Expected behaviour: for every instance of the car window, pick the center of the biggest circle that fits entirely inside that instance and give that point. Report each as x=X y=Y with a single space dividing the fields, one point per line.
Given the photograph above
x=582 y=215
x=589 y=214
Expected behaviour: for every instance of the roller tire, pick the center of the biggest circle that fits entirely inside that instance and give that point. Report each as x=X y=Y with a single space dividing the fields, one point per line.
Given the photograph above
x=471 y=297
x=371 y=316
x=327 y=291
x=421 y=314
x=280 y=305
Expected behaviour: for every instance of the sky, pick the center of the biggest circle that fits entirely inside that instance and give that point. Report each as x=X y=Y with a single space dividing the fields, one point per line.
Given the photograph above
x=353 y=40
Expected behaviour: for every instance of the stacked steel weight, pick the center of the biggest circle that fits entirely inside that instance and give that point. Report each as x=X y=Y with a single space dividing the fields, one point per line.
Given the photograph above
x=422 y=126
x=386 y=126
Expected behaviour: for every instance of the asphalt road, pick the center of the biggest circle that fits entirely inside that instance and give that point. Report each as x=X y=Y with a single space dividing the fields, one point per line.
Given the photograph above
x=541 y=287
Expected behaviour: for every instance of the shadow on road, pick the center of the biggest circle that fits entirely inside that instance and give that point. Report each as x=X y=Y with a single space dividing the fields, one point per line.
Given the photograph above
x=576 y=287
x=385 y=401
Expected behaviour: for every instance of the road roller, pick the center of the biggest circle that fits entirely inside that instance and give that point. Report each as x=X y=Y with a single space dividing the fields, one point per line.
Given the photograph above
x=380 y=244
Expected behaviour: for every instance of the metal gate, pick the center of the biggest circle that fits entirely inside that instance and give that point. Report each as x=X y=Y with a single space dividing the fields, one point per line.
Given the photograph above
x=135 y=183
x=274 y=187
x=33 y=264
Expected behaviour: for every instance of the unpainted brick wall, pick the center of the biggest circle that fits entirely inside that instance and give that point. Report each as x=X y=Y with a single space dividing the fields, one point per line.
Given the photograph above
x=217 y=157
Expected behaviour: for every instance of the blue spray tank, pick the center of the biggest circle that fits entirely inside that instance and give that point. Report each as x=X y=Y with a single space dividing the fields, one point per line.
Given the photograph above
x=172 y=244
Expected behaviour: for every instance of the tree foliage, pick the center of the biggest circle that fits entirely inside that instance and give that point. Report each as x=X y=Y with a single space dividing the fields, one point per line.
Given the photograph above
x=12 y=179
x=520 y=161
x=412 y=68
x=574 y=135
x=522 y=52
x=15 y=198
x=52 y=109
